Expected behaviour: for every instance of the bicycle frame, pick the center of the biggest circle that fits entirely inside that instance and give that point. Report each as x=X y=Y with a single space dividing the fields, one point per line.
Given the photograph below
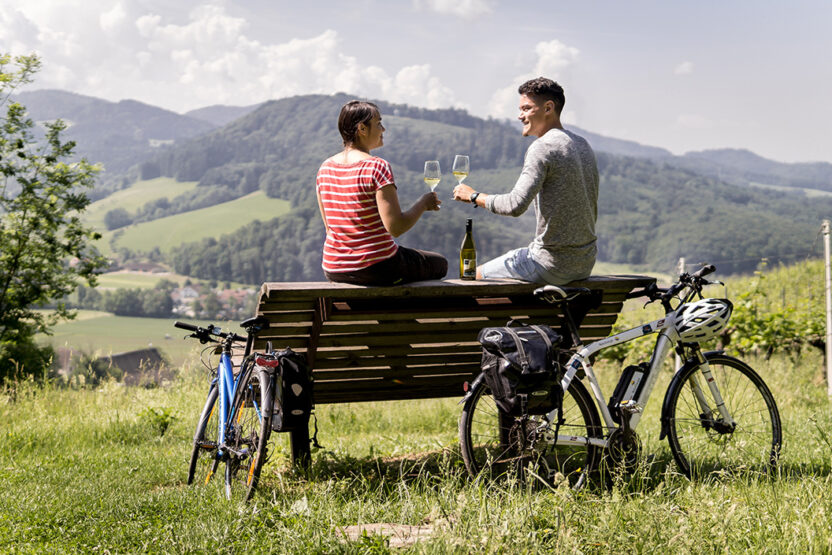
x=667 y=338
x=227 y=385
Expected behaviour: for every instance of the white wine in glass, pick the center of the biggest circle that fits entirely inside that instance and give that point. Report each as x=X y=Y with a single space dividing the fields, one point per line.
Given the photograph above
x=461 y=166
x=432 y=174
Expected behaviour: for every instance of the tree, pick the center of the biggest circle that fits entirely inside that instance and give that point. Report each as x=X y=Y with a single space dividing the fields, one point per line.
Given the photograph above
x=45 y=249
x=116 y=218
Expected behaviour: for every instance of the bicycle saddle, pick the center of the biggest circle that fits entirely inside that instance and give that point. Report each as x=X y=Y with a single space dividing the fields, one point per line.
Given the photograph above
x=255 y=325
x=558 y=293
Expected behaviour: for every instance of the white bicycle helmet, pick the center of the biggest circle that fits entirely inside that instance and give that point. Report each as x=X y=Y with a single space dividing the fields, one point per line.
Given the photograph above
x=702 y=320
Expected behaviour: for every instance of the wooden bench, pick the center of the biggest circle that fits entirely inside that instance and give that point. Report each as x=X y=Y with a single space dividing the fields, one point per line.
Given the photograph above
x=410 y=341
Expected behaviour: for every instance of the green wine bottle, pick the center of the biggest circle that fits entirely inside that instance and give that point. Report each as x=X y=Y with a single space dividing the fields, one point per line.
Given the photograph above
x=468 y=254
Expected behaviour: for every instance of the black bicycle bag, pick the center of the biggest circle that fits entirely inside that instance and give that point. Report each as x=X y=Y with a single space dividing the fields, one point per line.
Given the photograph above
x=520 y=368
x=292 y=393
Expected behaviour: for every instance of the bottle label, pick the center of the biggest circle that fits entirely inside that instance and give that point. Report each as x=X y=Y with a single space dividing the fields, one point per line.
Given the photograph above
x=469 y=267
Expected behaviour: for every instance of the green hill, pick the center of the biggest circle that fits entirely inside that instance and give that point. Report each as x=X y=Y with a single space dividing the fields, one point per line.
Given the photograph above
x=134 y=197
x=115 y=134
x=212 y=222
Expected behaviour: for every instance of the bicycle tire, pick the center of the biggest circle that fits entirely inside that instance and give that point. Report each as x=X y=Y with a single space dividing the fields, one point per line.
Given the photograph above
x=248 y=433
x=699 y=447
x=490 y=440
x=204 y=460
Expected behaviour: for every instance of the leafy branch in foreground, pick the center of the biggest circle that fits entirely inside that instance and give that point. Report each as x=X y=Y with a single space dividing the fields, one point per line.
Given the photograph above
x=45 y=249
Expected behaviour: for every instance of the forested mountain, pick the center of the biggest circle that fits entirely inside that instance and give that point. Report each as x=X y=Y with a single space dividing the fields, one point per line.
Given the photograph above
x=746 y=167
x=116 y=134
x=219 y=114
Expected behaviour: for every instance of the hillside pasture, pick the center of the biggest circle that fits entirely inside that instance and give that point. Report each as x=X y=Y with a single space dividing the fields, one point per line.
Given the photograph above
x=102 y=333
x=147 y=280
x=199 y=224
x=134 y=197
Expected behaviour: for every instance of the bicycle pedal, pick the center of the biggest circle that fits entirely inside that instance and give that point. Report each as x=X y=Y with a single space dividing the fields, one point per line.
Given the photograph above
x=630 y=407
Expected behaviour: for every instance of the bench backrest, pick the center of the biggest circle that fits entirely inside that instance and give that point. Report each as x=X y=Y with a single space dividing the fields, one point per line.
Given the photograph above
x=412 y=341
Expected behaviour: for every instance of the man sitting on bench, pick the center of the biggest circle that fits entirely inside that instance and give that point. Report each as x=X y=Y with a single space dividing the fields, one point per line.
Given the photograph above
x=561 y=177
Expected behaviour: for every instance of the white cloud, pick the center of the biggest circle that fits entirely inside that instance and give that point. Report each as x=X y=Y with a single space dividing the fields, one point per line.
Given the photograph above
x=694 y=121
x=685 y=68
x=111 y=20
x=553 y=58
x=199 y=57
x=462 y=8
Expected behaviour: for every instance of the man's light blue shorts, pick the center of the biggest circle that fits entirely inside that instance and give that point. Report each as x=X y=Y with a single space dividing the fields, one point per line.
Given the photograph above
x=519 y=264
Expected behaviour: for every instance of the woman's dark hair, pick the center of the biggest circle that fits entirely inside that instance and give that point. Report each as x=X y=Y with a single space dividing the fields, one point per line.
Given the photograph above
x=544 y=89
x=353 y=113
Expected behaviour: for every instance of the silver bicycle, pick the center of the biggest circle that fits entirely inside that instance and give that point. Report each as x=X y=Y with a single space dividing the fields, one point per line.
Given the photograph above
x=718 y=415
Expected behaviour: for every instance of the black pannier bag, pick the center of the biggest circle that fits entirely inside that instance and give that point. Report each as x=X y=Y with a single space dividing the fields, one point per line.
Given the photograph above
x=521 y=369
x=293 y=392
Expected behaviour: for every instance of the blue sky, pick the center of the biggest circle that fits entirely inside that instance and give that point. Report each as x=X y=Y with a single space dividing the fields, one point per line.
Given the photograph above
x=681 y=75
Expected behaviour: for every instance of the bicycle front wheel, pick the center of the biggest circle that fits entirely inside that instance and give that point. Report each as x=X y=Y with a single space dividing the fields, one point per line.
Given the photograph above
x=248 y=433
x=204 y=460
x=495 y=442
x=701 y=441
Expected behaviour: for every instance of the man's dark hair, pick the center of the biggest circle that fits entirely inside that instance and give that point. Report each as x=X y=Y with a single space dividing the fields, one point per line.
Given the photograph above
x=353 y=113
x=544 y=89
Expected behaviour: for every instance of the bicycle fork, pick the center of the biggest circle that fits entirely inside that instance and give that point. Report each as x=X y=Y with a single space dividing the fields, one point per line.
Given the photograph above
x=725 y=422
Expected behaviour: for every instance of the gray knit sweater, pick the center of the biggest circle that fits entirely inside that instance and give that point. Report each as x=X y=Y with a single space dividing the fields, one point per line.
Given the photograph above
x=560 y=176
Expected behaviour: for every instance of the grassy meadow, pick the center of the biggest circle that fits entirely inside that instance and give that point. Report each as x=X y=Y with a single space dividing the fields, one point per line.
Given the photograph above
x=103 y=470
x=134 y=197
x=89 y=470
x=102 y=333
x=194 y=225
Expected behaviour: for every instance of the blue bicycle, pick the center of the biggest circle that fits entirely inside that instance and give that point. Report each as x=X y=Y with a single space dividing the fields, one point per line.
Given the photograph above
x=235 y=423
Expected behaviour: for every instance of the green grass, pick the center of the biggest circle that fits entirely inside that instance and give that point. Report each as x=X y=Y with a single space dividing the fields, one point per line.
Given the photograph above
x=134 y=197
x=810 y=193
x=146 y=280
x=102 y=333
x=136 y=280
x=88 y=471
x=195 y=225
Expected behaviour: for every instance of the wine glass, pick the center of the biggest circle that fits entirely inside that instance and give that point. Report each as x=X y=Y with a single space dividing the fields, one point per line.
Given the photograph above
x=461 y=166
x=432 y=174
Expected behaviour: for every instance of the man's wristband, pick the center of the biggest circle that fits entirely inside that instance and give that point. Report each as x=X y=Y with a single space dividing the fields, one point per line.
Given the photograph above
x=474 y=196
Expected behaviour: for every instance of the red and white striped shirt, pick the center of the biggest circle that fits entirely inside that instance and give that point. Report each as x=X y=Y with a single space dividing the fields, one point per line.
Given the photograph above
x=357 y=237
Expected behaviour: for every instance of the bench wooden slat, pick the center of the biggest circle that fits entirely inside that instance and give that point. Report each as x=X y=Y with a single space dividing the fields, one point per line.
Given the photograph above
x=449 y=287
x=373 y=361
x=427 y=325
x=350 y=391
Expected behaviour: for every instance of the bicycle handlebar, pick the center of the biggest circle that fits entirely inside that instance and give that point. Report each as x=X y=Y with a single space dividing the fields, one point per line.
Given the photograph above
x=204 y=334
x=704 y=271
x=695 y=281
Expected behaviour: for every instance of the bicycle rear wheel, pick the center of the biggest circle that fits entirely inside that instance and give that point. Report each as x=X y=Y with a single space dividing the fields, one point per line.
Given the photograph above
x=204 y=460
x=494 y=442
x=248 y=433
x=703 y=444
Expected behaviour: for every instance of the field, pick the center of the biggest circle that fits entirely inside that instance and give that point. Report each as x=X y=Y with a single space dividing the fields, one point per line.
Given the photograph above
x=148 y=280
x=102 y=333
x=134 y=197
x=195 y=225
x=89 y=470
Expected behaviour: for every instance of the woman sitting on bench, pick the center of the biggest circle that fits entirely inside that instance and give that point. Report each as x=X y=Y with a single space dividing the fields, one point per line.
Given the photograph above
x=360 y=208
